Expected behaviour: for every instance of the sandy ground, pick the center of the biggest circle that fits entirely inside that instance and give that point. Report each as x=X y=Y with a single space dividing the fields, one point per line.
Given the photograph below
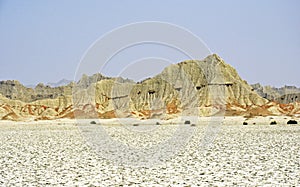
x=215 y=152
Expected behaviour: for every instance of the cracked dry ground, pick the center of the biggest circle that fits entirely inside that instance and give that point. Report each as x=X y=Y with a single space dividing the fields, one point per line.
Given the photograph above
x=56 y=155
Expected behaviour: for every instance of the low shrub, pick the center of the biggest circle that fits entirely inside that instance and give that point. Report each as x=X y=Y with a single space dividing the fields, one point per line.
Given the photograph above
x=135 y=124
x=193 y=125
x=93 y=122
x=273 y=123
x=157 y=123
x=245 y=123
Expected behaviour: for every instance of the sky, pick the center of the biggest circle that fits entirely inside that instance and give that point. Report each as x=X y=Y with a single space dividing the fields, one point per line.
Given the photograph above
x=45 y=41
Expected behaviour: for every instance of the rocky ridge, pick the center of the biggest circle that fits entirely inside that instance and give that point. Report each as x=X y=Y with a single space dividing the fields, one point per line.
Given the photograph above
x=194 y=87
x=285 y=95
x=14 y=90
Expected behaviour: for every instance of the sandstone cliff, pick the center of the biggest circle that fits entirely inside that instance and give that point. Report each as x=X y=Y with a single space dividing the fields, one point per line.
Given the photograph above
x=13 y=89
x=194 y=87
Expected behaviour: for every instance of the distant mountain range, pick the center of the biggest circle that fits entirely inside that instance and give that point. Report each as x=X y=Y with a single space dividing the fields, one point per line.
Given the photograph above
x=62 y=82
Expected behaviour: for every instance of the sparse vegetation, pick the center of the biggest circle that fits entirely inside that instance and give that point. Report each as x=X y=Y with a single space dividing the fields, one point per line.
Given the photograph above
x=157 y=123
x=193 y=125
x=93 y=122
x=273 y=123
x=292 y=122
x=135 y=124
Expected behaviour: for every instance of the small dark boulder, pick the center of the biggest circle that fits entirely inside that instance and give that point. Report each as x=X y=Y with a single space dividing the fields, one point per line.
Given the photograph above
x=157 y=123
x=187 y=122
x=292 y=122
x=273 y=123
x=245 y=123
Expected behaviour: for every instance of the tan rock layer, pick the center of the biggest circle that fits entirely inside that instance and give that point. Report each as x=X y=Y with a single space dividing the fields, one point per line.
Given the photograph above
x=203 y=88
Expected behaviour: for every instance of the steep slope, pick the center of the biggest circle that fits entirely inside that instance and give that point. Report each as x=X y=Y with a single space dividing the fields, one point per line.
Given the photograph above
x=196 y=87
x=192 y=87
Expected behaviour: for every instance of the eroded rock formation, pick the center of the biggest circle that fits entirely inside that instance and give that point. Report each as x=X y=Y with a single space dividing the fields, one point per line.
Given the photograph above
x=193 y=87
x=284 y=95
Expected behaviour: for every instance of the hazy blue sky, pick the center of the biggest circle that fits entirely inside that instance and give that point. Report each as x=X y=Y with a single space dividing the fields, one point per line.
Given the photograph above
x=43 y=41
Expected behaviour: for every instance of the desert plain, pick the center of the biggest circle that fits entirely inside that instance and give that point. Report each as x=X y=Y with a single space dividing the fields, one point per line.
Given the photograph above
x=212 y=152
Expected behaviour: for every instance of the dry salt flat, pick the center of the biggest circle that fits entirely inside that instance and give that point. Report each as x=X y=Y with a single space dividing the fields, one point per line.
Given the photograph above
x=60 y=153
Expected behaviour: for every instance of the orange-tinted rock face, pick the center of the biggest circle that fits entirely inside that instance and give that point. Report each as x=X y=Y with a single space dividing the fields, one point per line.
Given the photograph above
x=172 y=107
x=287 y=107
x=107 y=115
x=11 y=116
x=89 y=111
x=145 y=114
